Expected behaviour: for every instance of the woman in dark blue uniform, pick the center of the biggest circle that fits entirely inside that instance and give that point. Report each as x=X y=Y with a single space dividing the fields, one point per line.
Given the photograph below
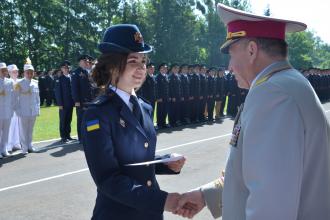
x=118 y=130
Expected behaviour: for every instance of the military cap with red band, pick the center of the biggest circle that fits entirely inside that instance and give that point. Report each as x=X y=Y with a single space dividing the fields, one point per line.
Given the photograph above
x=243 y=24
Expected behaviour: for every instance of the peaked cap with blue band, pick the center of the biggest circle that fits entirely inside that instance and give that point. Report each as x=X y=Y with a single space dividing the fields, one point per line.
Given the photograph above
x=123 y=38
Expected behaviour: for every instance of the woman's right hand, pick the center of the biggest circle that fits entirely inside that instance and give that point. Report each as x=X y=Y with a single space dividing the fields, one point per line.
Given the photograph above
x=171 y=203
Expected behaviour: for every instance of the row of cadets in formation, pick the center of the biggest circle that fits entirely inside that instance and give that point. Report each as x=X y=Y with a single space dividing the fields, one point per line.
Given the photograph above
x=190 y=93
x=19 y=107
x=320 y=80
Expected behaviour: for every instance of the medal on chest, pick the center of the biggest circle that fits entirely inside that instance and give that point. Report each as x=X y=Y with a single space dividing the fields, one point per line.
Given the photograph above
x=237 y=128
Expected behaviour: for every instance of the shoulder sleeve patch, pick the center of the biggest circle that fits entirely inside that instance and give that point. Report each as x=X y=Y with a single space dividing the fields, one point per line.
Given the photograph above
x=93 y=125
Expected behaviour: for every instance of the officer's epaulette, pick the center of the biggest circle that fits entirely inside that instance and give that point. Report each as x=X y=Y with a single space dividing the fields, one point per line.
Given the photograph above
x=146 y=101
x=101 y=100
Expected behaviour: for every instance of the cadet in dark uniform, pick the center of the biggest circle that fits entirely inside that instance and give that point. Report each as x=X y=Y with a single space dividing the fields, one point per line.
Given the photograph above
x=162 y=95
x=220 y=98
x=49 y=87
x=149 y=89
x=195 y=89
x=42 y=87
x=81 y=88
x=175 y=96
x=64 y=101
x=118 y=132
x=211 y=93
x=185 y=91
x=203 y=93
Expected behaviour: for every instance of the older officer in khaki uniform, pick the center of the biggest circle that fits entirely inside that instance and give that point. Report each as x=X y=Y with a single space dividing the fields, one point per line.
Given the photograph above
x=28 y=107
x=279 y=163
x=6 y=108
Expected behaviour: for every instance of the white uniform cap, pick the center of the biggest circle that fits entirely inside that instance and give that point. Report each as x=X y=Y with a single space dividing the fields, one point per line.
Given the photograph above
x=12 y=67
x=28 y=67
x=3 y=66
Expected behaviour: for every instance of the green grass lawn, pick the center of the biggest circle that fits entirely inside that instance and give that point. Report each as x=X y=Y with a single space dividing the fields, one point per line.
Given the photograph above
x=47 y=124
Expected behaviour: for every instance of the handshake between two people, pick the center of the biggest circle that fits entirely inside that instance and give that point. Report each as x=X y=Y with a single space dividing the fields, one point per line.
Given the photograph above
x=186 y=205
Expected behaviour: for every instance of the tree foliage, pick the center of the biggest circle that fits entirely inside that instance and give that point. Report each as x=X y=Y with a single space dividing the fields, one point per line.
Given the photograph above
x=183 y=31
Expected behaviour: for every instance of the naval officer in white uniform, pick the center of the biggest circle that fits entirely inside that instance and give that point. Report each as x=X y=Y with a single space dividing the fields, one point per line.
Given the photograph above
x=28 y=107
x=13 y=140
x=6 y=108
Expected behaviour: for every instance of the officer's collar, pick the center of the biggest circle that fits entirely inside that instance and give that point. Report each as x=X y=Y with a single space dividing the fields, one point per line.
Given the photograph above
x=267 y=69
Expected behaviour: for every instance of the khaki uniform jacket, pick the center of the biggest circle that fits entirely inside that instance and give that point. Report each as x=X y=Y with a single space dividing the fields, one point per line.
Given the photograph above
x=280 y=168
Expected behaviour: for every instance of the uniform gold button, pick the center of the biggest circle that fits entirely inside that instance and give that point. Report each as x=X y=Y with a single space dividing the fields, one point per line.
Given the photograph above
x=149 y=183
x=146 y=145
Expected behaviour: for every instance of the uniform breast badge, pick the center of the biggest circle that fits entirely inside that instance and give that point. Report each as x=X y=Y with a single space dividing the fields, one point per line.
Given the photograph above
x=237 y=127
x=122 y=123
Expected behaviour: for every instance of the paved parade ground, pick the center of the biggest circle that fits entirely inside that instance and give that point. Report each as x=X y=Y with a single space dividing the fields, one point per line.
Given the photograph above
x=54 y=183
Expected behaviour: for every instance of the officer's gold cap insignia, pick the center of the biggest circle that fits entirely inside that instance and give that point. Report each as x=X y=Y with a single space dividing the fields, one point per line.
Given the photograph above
x=122 y=123
x=93 y=125
x=138 y=37
x=28 y=60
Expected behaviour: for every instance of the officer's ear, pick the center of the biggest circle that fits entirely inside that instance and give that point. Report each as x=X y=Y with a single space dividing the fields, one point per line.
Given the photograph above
x=252 y=51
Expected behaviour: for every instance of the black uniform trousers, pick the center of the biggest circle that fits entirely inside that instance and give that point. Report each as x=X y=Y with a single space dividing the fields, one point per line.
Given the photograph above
x=202 y=105
x=223 y=103
x=195 y=105
x=65 y=122
x=185 y=111
x=80 y=113
x=210 y=108
x=174 y=112
x=162 y=111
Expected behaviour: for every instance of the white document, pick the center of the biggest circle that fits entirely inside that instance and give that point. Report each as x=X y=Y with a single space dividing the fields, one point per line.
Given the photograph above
x=170 y=158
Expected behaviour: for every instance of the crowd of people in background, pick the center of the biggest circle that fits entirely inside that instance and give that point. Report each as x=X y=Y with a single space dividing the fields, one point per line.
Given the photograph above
x=180 y=94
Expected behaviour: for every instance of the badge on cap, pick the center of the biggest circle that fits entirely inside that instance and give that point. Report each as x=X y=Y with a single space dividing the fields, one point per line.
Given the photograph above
x=122 y=123
x=138 y=37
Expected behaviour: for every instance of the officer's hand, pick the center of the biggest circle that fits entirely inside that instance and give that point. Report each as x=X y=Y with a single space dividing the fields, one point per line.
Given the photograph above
x=77 y=104
x=190 y=204
x=60 y=107
x=176 y=166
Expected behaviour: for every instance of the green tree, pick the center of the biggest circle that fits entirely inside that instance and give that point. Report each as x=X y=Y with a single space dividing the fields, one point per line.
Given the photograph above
x=301 y=46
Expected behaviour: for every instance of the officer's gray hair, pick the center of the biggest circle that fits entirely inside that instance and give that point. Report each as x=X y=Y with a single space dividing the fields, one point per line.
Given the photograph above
x=272 y=47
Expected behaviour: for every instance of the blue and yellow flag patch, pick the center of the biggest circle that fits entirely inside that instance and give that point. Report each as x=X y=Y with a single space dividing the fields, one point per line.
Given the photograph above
x=93 y=125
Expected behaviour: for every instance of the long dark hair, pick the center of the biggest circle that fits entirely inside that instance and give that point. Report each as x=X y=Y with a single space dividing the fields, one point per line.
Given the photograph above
x=108 y=69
